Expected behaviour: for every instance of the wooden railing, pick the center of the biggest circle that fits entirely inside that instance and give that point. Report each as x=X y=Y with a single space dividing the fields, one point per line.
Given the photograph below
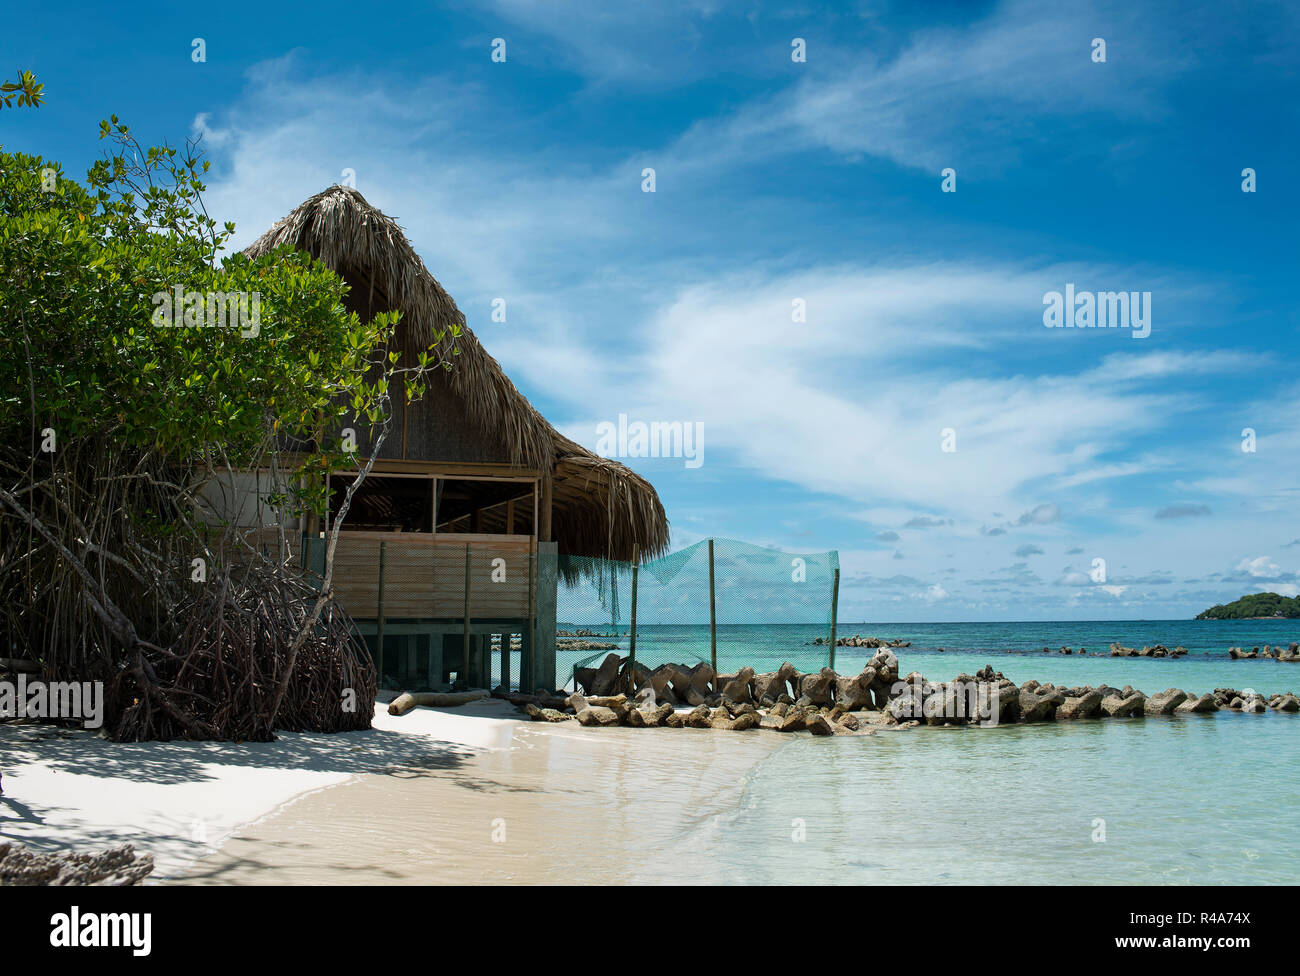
x=424 y=576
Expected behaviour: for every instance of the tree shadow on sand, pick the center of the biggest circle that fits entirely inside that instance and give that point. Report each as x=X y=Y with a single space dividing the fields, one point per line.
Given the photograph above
x=84 y=753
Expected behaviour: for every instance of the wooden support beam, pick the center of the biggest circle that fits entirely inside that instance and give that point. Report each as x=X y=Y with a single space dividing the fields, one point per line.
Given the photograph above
x=544 y=529
x=379 y=613
x=465 y=677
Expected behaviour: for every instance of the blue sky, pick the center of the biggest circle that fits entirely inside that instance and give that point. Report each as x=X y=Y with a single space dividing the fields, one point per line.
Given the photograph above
x=819 y=181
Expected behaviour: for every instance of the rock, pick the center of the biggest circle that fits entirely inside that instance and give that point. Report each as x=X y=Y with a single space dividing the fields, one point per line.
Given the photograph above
x=885 y=663
x=1124 y=706
x=597 y=715
x=776 y=683
x=545 y=714
x=618 y=704
x=737 y=686
x=947 y=706
x=1036 y=708
x=1288 y=703
x=1084 y=706
x=1198 y=706
x=116 y=867
x=1254 y=705
x=816 y=689
x=699 y=717
x=908 y=705
x=603 y=680
x=675 y=719
x=997 y=702
x=818 y=725
x=854 y=691
x=1164 y=702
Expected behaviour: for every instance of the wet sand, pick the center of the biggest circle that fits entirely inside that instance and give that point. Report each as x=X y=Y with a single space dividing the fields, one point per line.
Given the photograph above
x=551 y=804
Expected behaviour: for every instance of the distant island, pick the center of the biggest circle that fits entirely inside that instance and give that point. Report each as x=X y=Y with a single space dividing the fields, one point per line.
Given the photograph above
x=1254 y=605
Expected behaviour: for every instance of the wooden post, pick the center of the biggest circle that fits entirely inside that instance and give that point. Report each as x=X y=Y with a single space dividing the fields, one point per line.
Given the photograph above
x=465 y=676
x=631 y=652
x=835 y=609
x=544 y=530
x=528 y=668
x=379 y=613
x=713 y=617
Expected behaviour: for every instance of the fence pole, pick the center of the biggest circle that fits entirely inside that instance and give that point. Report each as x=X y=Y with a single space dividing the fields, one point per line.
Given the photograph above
x=835 y=609
x=631 y=653
x=465 y=676
x=713 y=617
x=379 y=611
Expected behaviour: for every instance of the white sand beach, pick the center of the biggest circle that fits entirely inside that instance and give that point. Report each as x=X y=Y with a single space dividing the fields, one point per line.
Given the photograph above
x=182 y=800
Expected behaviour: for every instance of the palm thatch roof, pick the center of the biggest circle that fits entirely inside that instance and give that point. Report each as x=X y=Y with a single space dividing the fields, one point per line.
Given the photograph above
x=600 y=507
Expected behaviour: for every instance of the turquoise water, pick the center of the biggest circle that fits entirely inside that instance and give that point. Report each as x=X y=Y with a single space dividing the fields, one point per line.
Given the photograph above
x=1187 y=800
x=1013 y=648
x=1178 y=800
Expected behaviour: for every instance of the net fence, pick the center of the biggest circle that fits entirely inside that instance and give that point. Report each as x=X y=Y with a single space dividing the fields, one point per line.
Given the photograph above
x=723 y=602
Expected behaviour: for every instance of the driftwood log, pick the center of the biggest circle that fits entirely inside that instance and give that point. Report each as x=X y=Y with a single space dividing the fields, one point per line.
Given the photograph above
x=407 y=700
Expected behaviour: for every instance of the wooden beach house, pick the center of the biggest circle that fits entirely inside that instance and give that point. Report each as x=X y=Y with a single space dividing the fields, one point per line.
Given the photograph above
x=470 y=474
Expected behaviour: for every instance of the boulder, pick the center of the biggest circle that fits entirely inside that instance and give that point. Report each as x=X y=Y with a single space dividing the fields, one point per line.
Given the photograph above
x=818 y=725
x=1036 y=708
x=736 y=686
x=699 y=717
x=1254 y=705
x=854 y=691
x=849 y=721
x=1287 y=703
x=1124 y=706
x=947 y=706
x=1164 y=702
x=776 y=683
x=816 y=689
x=1084 y=706
x=604 y=679
x=597 y=715
x=885 y=663
x=545 y=714
x=906 y=706
x=1198 y=706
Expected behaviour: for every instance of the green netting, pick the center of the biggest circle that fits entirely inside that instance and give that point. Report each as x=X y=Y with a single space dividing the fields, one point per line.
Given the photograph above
x=769 y=606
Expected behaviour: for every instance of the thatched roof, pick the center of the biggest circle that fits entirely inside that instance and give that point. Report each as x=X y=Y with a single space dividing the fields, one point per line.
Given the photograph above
x=600 y=507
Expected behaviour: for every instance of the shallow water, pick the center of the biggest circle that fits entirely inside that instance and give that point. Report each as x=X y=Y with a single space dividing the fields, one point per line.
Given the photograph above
x=1188 y=800
x=1192 y=799
x=1178 y=800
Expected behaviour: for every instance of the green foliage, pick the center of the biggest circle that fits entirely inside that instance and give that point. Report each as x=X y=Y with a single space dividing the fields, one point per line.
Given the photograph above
x=82 y=269
x=1254 y=605
x=26 y=91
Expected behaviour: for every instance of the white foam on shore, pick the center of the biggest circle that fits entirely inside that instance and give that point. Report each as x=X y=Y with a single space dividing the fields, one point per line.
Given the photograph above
x=181 y=800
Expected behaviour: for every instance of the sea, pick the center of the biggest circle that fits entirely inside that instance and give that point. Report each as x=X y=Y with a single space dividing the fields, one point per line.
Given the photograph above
x=1193 y=800
x=1178 y=800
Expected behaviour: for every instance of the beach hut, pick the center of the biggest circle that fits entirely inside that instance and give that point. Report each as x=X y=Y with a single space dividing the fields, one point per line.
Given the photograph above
x=451 y=545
